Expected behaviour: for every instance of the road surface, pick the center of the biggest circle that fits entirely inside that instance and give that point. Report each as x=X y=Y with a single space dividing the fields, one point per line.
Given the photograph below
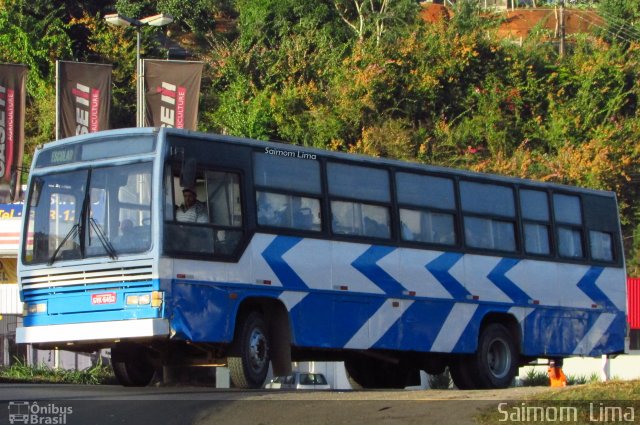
x=110 y=404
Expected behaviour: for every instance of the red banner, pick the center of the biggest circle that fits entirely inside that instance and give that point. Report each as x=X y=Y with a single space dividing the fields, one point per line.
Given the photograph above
x=172 y=93
x=12 y=115
x=84 y=98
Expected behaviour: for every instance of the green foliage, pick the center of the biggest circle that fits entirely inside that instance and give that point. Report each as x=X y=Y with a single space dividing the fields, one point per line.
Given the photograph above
x=35 y=40
x=381 y=20
x=370 y=77
x=466 y=17
x=19 y=371
x=539 y=378
x=536 y=378
x=582 y=379
x=198 y=16
x=267 y=23
x=621 y=21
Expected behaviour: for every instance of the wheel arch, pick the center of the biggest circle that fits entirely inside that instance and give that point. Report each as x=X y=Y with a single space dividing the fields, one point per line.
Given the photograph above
x=278 y=323
x=507 y=320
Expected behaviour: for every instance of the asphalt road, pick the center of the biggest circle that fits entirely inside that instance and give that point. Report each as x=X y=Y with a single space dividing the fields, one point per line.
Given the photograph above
x=83 y=404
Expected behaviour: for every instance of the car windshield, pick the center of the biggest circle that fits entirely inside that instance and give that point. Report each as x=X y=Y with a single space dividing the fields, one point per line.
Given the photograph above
x=88 y=213
x=312 y=379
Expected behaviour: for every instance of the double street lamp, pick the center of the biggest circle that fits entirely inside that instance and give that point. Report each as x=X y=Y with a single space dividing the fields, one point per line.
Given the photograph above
x=124 y=21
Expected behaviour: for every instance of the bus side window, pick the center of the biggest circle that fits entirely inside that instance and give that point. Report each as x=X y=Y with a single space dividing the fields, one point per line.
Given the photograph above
x=427 y=208
x=568 y=214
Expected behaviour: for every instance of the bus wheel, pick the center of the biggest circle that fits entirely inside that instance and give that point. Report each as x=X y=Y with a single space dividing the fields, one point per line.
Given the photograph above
x=132 y=366
x=462 y=371
x=372 y=373
x=249 y=369
x=359 y=373
x=497 y=357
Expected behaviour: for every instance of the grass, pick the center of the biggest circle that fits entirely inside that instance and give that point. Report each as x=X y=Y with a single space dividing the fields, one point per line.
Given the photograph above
x=604 y=402
x=20 y=372
x=539 y=378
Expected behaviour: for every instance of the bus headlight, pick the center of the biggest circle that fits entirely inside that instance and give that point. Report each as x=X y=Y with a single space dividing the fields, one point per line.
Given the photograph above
x=155 y=298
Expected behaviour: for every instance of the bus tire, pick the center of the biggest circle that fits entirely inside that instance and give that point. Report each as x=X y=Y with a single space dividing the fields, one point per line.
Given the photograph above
x=359 y=373
x=497 y=357
x=132 y=367
x=249 y=368
x=462 y=372
x=372 y=373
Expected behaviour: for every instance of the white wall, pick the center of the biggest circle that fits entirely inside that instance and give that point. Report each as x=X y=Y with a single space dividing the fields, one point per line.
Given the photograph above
x=626 y=367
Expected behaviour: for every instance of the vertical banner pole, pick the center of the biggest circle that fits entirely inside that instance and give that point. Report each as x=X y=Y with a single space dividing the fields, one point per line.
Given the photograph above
x=143 y=96
x=57 y=99
x=138 y=81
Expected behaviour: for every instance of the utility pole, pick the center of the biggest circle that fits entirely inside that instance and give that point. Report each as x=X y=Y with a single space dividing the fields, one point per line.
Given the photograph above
x=561 y=48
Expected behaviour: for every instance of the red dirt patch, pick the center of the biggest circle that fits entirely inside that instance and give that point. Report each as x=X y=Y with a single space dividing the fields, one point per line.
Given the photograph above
x=520 y=22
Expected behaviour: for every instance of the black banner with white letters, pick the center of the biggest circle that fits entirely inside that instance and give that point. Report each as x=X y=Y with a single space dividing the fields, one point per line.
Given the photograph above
x=171 y=93
x=83 y=98
x=13 y=80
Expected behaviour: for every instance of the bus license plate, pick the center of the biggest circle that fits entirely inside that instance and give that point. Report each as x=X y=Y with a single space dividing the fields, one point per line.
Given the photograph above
x=104 y=298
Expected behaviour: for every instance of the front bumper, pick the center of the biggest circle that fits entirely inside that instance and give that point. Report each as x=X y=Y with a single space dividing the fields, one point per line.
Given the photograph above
x=93 y=332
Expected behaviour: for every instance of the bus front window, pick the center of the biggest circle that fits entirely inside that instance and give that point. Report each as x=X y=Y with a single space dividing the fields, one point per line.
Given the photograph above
x=82 y=213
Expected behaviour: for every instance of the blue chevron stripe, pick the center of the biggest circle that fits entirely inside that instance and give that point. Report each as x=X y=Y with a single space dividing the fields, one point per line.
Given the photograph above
x=440 y=267
x=468 y=341
x=588 y=285
x=273 y=256
x=367 y=265
x=506 y=285
x=349 y=314
x=613 y=338
x=408 y=331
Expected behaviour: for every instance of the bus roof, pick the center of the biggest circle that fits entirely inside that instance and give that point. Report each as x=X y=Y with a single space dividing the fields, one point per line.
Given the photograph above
x=365 y=159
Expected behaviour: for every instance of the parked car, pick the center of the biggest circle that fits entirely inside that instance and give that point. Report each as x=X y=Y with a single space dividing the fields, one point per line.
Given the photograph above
x=299 y=381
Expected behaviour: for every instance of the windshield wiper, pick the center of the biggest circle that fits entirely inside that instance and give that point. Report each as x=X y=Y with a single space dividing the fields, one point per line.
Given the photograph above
x=78 y=228
x=103 y=239
x=73 y=232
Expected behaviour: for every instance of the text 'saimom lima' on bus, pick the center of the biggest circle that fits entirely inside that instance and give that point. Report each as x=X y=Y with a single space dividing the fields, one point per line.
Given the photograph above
x=303 y=254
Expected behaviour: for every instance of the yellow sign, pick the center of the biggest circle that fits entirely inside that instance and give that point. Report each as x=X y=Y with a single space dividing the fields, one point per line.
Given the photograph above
x=8 y=270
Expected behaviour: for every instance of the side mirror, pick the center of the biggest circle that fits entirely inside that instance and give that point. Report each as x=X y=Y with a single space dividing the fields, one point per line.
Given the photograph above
x=13 y=184
x=36 y=184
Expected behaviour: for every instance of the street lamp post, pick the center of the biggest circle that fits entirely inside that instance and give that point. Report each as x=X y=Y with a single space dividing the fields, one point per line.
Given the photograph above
x=124 y=21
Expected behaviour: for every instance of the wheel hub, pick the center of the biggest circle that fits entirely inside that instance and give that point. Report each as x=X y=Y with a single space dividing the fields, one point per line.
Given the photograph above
x=499 y=358
x=257 y=350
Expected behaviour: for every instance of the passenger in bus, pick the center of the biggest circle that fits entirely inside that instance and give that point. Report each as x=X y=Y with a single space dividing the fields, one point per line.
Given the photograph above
x=126 y=239
x=266 y=212
x=192 y=210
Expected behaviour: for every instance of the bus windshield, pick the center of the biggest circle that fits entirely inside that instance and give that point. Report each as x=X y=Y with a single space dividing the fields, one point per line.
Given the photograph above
x=89 y=212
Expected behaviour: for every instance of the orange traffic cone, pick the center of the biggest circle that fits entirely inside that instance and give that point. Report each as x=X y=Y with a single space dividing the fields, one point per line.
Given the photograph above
x=556 y=376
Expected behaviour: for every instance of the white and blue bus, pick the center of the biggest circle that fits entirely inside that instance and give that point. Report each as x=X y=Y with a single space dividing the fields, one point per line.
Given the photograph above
x=304 y=254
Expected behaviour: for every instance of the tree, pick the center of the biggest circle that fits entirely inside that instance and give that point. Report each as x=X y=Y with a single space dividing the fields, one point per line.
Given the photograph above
x=196 y=16
x=622 y=20
x=375 y=18
x=35 y=40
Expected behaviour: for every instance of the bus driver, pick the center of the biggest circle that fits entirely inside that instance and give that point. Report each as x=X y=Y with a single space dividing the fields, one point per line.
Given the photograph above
x=192 y=210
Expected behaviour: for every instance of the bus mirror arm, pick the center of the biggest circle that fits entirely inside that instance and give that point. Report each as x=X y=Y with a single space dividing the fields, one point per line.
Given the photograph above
x=14 y=189
x=188 y=172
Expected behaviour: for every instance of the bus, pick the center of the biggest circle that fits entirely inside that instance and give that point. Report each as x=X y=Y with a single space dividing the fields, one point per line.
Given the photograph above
x=305 y=254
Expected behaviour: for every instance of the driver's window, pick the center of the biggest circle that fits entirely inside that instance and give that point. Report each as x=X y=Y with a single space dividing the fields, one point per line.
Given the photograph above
x=191 y=203
x=206 y=217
